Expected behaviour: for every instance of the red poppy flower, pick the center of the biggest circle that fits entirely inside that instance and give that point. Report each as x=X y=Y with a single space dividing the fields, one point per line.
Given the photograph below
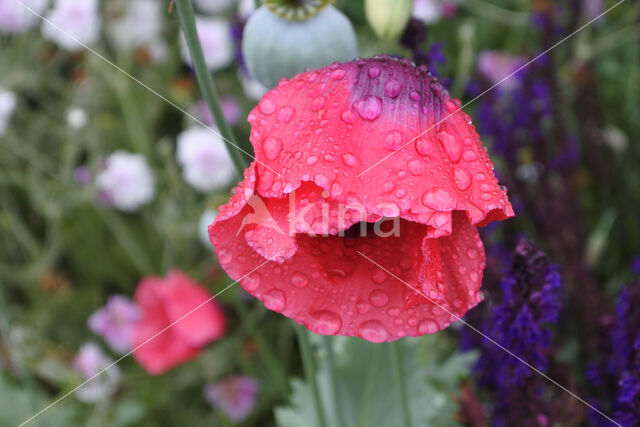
x=338 y=150
x=165 y=302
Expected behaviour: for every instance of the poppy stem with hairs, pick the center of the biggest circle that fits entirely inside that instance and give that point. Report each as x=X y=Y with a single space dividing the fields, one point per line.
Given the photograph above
x=205 y=81
x=310 y=372
x=395 y=354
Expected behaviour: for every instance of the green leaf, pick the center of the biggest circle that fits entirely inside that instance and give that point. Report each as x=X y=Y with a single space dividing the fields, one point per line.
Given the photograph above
x=433 y=371
x=19 y=404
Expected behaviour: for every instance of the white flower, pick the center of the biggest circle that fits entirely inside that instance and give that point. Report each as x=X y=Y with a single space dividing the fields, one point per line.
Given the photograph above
x=72 y=24
x=215 y=38
x=139 y=26
x=76 y=118
x=429 y=11
x=206 y=219
x=126 y=181
x=213 y=6
x=7 y=105
x=246 y=8
x=90 y=361
x=204 y=158
x=16 y=18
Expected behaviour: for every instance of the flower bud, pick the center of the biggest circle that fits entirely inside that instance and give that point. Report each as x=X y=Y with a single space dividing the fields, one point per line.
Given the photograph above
x=388 y=17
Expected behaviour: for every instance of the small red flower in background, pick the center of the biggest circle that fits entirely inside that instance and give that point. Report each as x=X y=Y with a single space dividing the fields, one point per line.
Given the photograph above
x=164 y=302
x=318 y=138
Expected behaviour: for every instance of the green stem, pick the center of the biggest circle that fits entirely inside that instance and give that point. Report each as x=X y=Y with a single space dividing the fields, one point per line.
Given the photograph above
x=396 y=364
x=331 y=362
x=205 y=81
x=310 y=372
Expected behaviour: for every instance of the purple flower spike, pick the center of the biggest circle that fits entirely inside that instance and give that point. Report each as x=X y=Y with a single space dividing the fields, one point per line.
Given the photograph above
x=114 y=322
x=234 y=396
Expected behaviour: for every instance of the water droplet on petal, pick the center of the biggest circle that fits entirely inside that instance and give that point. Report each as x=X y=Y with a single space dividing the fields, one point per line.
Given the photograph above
x=425 y=146
x=415 y=167
x=325 y=322
x=472 y=253
x=373 y=330
x=272 y=146
x=318 y=103
x=378 y=298
x=275 y=300
x=392 y=88
x=462 y=178
x=320 y=180
x=362 y=307
x=451 y=146
x=285 y=114
x=299 y=279
x=336 y=189
x=251 y=282
x=369 y=107
x=394 y=140
x=470 y=155
x=374 y=72
x=311 y=160
x=440 y=199
x=427 y=326
x=414 y=95
x=224 y=256
x=338 y=74
x=267 y=106
x=348 y=159
x=348 y=117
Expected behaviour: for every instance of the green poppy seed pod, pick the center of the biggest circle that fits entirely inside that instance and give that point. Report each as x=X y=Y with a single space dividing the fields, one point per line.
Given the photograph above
x=282 y=41
x=388 y=17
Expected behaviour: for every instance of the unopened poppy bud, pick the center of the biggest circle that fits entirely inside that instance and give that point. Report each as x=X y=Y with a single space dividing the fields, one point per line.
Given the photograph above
x=388 y=17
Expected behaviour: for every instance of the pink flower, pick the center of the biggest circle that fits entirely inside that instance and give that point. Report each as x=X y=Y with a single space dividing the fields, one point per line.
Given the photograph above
x=234 y=396
x=16 y=18
x=496 y=66
x=115 y=322
x=179 y=318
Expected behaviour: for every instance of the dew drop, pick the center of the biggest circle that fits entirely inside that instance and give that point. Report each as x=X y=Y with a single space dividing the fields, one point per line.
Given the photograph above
x=472 y=253
x=414 y=95
x=275 y=300
x=462 y=178
x=311 y=160
x=348 y=117
x=224 y=256
x=348 y=159
x=469 y=155
x=251 y=282
x=338 y=74
x=369 y=107
x=325 y=322
x=272 y=146
x=379 y=276
x=318 y=103
x=299 y=279
x=373 y=330
x=374 y=72
x=392 y=88
x=320 y=179
x=267 y=106
x=440 y=199
x=336 y=189
x=378 y=298
x=425 y=146
x=394 y=140
x=451 y=146
x=362 y=307
x=285 y=114
x=427 y=326
x=415 y=167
